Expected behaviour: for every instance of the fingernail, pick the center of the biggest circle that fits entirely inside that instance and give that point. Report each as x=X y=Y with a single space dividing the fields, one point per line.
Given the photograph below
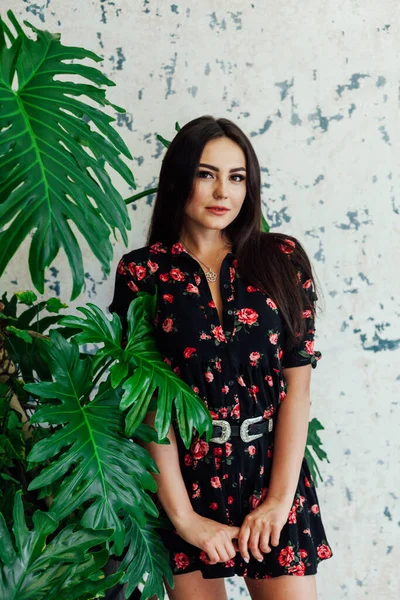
x=260 y=559
x=246 y=560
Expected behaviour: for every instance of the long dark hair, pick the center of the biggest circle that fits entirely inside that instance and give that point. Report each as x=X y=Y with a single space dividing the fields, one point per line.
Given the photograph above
x=261 y=261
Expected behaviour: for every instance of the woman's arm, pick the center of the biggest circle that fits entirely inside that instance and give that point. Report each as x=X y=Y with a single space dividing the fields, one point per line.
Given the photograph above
x=171 y=490
x=290 y=436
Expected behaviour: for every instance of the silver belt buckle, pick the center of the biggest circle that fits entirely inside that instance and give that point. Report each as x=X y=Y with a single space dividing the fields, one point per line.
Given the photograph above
x=226 y=432
x=244 y=428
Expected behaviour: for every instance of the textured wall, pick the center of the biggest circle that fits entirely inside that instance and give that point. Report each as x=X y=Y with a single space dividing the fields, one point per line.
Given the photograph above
x=316 y=87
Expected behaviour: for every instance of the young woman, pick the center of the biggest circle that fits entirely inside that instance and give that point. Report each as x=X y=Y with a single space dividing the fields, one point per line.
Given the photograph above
x=235 y=314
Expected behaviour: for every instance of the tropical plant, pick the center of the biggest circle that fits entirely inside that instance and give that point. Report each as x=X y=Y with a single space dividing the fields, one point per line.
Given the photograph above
x=72 y=395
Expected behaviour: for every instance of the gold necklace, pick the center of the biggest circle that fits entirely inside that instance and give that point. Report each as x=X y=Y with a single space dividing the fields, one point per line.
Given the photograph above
x=210 y=274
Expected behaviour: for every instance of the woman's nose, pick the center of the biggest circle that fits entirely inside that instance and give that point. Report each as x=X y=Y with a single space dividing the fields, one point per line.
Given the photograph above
x=221 y=189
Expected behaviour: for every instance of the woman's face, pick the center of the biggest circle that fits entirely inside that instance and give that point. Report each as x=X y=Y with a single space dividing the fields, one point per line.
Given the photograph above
x=219 y=182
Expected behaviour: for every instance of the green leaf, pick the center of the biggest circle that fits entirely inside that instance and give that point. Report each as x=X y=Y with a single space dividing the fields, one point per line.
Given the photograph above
x=148 y=371
x=315 y=444
x=54 y=305
x=146 y=554
x=27 y=297
x=53 y=164
x=264 y=224
x=97 y=462
x=59 y=570
x=20 y=333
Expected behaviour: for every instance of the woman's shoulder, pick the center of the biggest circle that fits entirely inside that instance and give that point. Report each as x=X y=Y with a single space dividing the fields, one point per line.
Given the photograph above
x=145 y=253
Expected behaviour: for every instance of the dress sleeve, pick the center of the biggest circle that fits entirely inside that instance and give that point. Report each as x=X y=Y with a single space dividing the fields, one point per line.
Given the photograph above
x=303 y=353
x=131 y=278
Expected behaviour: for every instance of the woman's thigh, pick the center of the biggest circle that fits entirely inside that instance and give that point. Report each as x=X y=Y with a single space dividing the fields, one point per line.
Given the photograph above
x=193 y=585
x=283 y=587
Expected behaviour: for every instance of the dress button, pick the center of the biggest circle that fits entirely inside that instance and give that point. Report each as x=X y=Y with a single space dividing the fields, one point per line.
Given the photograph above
x=230 y=312
x=226 y=285
x=230 y=382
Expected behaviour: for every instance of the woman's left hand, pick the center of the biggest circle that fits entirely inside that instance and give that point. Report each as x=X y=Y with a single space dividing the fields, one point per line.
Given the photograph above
x=264 y=521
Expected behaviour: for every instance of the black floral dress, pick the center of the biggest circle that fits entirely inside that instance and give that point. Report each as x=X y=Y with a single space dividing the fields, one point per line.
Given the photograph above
x=236 y=368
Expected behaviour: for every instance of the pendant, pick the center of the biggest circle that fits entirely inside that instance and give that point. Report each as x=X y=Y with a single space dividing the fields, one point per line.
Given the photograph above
x=211 y=276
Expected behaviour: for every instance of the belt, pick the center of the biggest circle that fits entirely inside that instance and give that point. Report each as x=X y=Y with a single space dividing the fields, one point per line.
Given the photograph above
x=249 y=430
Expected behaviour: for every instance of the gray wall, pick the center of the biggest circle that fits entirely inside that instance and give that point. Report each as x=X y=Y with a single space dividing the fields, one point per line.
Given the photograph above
x=316 y=87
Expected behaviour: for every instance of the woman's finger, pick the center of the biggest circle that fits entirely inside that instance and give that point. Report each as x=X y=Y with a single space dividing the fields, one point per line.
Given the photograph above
x=275 y=534
x=264 y=541
x=242 y=540
x=254 y=545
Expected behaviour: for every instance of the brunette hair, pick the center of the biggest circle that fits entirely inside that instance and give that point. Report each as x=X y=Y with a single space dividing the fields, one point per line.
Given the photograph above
x=269 y=261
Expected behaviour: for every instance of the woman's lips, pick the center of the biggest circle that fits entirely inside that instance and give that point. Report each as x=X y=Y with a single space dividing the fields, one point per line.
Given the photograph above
x=218 y=211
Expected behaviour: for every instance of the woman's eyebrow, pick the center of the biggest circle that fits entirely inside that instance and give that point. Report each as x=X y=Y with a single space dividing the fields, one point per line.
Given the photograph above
x=216 y=168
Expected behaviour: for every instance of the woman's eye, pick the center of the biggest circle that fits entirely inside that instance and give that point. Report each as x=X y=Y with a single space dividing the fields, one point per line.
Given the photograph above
x=203 y=173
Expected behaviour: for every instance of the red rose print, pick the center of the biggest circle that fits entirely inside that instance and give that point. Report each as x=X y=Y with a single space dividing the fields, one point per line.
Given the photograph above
x=187 y=353
x=310 y=347
x=251 y=450
x=196 y=389
x=273 y=338
x=232 y=272
x=307 y=284
x=223 y=411
x=306 y=482
x=204 y=558
x=235 y=412
x=167 y=325
x=188 y=460
x=121 y=268
x=230 y=563
x=164 y=277
x=177 y=275
x=181 y=560
x=212 y=304
x=307 y=531
x=132 y=285
x=248 y=316
x=298 y=569
x=280 y=353
x=254 y=501
x=140 y=272
x=219 y=333
x=241 y=381
x=157 y=248
x=315 y=509
x=167 y=361
x=306 y=314
x=168 y=298
x=251 y=288
x=197 y=279
x=132 y=268
x=218 y=365
x=271 y=304
x=209 y=376
x=213 y=506
x=153 y=266
x=192 y=288
x=216 y=482
x=199 y=449
x=286 y=556
x=269 y=380
x=177 y=248
x=230 y=500
x=218 y=451
x=324 y=551
x=292 y=515
x=225 y=389
x=177 y=371
x=217 y=462
x=204 y=336
x=287 y=246
x=254 y=357
x=303 y=553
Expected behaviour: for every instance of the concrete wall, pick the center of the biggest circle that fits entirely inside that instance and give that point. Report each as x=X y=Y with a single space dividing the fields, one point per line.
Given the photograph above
x=316 y=87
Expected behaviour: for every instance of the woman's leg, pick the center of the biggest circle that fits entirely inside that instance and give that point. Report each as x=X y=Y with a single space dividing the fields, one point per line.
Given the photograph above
x=192 y=585
x=283 y=587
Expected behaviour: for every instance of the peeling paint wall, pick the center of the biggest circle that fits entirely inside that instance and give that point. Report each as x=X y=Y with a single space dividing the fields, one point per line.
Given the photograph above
x=316 y=87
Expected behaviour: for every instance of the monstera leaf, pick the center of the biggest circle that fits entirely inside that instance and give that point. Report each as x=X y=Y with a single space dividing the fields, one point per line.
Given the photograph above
x=52 y=163
x=64 y=569
x=149 y=370
x=99 y=465
x=315 y=444
x=145 y=554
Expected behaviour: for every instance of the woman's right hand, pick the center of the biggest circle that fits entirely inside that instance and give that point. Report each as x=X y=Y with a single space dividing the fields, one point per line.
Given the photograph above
x=216 y=539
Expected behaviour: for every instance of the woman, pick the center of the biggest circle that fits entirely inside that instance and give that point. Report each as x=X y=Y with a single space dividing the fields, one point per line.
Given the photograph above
x=235 y=314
